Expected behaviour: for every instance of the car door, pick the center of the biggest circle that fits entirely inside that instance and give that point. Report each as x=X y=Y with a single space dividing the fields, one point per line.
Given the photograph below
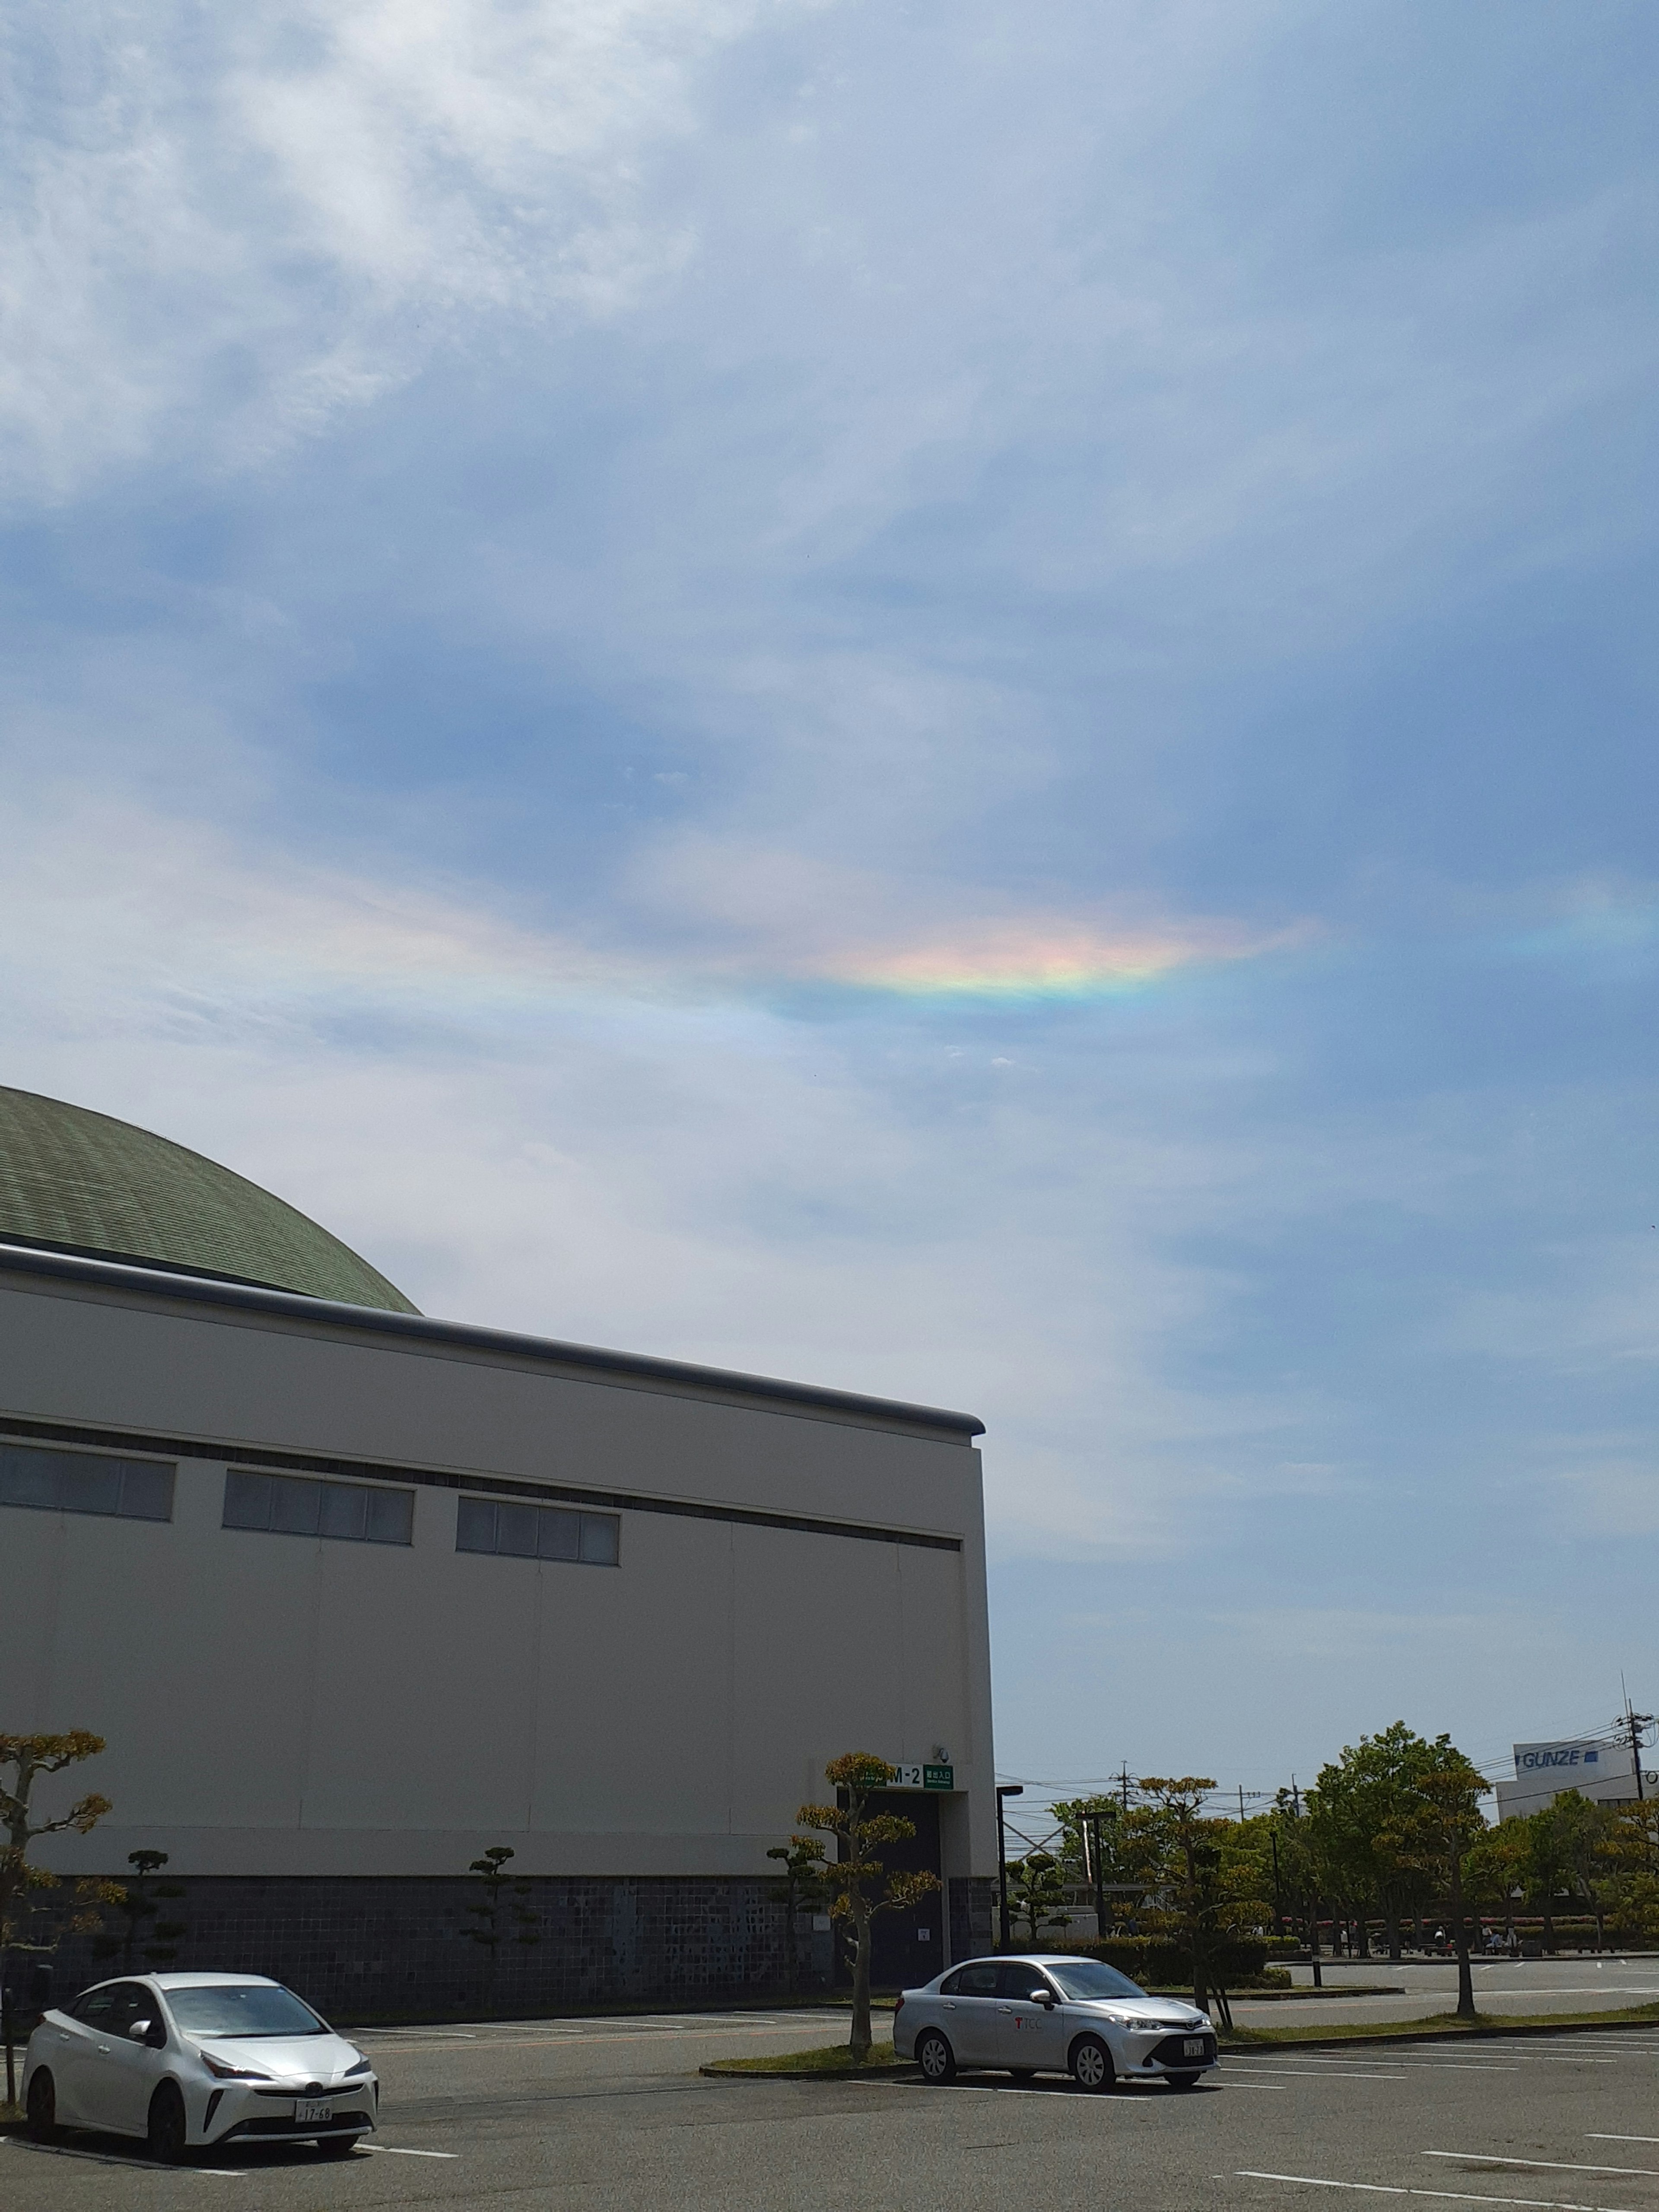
x=80 y=2055
x=1028 y=2031
x=133 y=2069
x=967 y=2014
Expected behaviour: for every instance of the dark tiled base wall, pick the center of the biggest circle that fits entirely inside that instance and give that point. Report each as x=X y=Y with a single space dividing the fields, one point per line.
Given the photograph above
x=388 y=1946
x=369 y=1946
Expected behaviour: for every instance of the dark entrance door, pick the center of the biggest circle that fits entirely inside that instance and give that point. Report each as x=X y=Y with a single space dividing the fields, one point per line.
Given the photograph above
x=907 y=1948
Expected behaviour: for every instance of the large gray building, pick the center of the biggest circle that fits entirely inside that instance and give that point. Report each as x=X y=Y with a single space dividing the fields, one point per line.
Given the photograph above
x=353 y=1594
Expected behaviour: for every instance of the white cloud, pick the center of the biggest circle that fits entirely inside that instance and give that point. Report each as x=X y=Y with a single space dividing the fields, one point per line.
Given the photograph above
x=231 y=225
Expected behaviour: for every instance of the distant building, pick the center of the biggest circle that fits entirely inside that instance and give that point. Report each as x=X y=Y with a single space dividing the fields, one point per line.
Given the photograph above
x=354 y=1595
x=1602 y=1771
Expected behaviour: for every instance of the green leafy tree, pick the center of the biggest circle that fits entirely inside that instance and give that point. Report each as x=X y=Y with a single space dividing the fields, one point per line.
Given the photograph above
x=1497 y=1867
x=501 y=1914
x=1131 y=1847
x=1438 y=1824
x=1549 y=1864
x=1037 y=1893
x=25 y=1759
x=802 y=1887
x=860 y=1884
x=1205 y=1884
x=1354 y=1808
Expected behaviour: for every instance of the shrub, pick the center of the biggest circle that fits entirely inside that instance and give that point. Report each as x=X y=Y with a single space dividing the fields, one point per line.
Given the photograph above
x=1153 y=1960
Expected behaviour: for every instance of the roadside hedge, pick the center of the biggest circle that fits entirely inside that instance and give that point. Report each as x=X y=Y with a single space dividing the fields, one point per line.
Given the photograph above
x=1150 y=1960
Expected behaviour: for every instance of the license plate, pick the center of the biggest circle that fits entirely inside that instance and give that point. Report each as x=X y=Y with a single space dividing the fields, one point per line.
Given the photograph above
x=1193 y=2047
x=314 y=2108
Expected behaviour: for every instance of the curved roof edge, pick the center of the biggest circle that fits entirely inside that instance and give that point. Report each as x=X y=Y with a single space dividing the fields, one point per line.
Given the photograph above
x=463 y=1336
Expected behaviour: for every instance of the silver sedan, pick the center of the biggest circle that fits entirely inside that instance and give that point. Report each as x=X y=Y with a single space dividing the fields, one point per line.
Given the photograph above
x=1035 y=2015
x=187 y=2060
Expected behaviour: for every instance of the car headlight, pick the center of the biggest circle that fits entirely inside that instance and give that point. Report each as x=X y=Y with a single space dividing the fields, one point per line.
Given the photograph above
x=221 y=2072
x=361 y=2067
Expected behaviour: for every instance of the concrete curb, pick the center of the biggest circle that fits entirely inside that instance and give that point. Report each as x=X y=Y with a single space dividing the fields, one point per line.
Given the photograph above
x=1441 y=2035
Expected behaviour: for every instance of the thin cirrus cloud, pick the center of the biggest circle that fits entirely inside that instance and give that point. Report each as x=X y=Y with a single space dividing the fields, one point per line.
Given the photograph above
x=184 y=904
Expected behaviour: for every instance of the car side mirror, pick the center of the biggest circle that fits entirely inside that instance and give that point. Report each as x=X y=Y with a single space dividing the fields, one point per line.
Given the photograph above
x=1044 y=1997
x=150 y=2031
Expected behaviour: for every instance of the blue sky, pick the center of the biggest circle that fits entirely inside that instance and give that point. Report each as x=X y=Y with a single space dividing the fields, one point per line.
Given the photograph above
x=956 y=700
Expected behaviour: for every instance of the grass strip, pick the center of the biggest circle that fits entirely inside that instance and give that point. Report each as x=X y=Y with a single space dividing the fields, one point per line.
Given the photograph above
x=827 y=2058
x=1435 y=2026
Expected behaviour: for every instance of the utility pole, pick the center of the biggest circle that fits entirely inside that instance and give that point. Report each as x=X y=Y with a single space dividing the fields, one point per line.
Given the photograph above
x=1100 y=1877
x=1123 y=1783
x=1241 y=1804
x=1005 y=1789
x=1636 y=1723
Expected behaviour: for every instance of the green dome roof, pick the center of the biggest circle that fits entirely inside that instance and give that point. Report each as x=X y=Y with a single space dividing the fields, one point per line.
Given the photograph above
x=71 y=1180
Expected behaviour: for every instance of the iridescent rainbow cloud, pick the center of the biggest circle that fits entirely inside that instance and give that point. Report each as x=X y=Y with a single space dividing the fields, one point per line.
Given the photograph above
x=1053 y=961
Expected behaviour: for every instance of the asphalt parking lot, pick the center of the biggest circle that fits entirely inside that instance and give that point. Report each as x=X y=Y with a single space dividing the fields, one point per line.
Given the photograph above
x=1517 y=1987
x=613 y=2113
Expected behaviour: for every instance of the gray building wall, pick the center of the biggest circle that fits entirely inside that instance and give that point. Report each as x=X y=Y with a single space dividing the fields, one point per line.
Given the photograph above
x=283 y=1707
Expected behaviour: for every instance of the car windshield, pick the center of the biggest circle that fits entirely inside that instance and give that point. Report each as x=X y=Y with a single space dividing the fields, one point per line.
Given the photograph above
x=1083 y=1979
x=242 y=2009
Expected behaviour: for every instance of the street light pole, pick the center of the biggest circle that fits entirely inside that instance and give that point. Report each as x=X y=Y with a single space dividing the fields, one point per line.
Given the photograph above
x=1004 y=1790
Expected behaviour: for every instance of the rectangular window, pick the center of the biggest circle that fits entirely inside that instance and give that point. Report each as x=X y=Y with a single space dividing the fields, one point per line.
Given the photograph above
x=293 y=1506
x=84 y=1482
x=538 y=1532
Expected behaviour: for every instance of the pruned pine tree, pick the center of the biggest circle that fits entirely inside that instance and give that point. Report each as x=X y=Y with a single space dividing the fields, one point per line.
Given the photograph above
x=860 y=1884
x=501 y=1915
x=23 y=1885
x=1037 y=1893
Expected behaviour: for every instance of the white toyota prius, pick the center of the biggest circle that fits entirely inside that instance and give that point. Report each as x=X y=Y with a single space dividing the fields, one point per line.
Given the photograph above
x=190 y=2060
x=1043 y=2015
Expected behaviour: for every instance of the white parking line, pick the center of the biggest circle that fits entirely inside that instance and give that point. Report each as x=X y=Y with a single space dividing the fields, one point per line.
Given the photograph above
x=1442 y=2196
x=1313 y=2073
x=1592 y=2136
x=1555 y=2164
x=397 y=2150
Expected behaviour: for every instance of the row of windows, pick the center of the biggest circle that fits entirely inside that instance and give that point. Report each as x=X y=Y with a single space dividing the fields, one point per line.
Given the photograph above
x=538 y=1532
x=81 y=1482
x=292 y=1505
x=297 y=1506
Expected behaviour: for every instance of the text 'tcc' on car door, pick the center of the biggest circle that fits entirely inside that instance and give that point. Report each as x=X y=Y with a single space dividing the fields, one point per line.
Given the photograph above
x=968 y=2012
x=1027 y=2033
x=134 y=2068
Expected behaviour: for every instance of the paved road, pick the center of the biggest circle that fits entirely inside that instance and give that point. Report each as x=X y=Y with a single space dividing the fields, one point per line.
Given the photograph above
x=1519 y=1987
x=611 y=2117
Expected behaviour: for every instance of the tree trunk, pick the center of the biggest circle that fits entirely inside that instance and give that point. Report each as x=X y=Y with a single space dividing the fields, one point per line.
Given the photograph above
x=1549 y=1925
x=859 y=2042
x=1313 y=1942
x=1391 y=1922
x=1460 y=1938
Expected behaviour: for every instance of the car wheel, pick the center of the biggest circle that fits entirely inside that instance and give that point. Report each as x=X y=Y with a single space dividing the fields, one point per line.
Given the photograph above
x=337 y=2146
x=42 y=2106
x=935 y=2057
x=1183 y=2081
x=1092 y=2063
x=167 y=2126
